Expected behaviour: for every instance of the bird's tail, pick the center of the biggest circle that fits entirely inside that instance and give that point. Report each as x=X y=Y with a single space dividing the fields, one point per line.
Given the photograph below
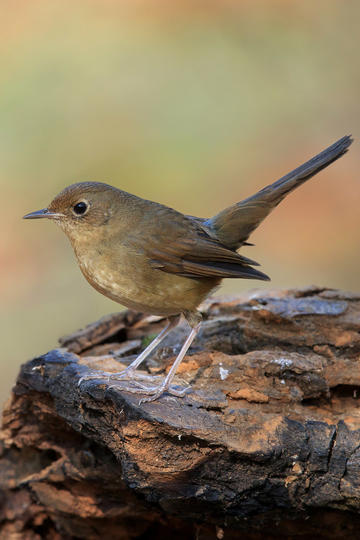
x=234 y=225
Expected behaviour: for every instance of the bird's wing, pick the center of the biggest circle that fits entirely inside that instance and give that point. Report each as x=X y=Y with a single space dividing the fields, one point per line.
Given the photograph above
x=180 y=245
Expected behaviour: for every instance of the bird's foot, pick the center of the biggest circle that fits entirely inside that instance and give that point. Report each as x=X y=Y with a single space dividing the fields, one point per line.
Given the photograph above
x=152 y=392
x=136 y=382
x=157 y=391
x=128 y=373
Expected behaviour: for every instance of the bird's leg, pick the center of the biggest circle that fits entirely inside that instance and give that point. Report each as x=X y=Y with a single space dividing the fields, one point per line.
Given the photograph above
x=156 y=391
x=165 y=386
x=129 y=371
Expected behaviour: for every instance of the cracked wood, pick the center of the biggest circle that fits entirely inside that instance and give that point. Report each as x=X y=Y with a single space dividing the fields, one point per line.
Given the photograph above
x=269 y=433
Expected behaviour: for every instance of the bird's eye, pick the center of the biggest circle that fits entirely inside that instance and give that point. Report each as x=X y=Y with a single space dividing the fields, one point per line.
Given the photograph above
x=80 y=208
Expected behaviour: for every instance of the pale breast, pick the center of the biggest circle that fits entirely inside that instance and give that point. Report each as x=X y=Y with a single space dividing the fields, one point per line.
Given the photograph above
x=127 y=278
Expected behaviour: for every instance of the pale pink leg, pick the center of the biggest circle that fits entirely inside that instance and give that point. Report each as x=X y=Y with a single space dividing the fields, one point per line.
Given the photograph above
x=129 y=372
x=156 y=392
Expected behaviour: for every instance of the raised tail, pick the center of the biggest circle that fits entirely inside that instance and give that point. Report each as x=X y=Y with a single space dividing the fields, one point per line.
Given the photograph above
x=234 y=225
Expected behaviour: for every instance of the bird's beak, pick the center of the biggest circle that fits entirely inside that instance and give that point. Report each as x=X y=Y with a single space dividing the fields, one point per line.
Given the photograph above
x=44 y=213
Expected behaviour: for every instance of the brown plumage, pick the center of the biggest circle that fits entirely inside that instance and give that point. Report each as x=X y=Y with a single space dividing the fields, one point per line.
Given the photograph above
x=152 y=258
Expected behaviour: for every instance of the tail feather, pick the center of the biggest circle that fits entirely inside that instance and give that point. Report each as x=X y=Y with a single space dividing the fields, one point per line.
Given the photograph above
x=234 y=225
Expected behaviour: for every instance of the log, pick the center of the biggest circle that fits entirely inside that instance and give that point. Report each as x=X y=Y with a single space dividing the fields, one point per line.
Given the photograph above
x=266 y=444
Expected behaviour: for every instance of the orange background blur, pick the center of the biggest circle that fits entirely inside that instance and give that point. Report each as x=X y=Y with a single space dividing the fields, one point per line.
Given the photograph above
x=193 y=104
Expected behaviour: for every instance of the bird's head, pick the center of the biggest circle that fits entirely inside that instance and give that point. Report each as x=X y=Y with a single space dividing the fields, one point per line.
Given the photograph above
x=81 y=208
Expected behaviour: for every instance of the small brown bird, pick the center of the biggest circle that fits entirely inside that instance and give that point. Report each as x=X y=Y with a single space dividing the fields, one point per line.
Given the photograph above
x=154 y=259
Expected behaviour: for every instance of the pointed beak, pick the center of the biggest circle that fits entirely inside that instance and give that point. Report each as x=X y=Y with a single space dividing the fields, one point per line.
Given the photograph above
x=44 y=213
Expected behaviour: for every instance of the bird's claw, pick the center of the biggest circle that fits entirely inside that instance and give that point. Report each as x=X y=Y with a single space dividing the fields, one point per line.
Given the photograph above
x=156 y=392
x=137 y=387
x=127 y=373
x=152 y=392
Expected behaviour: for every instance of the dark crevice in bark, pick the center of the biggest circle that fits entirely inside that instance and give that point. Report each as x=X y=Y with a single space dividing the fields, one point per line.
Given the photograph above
x=266 y=447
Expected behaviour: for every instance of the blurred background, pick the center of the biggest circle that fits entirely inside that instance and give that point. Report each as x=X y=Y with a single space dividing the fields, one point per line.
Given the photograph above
x=195 y=104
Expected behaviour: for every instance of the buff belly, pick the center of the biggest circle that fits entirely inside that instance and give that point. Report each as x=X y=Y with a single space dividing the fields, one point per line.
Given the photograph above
x=142 y=288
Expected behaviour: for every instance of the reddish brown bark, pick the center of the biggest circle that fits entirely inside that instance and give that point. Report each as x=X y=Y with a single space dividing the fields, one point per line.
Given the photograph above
x=267 y=442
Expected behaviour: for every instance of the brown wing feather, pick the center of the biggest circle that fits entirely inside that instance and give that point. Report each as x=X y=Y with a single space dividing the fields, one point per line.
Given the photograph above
x=184 y=248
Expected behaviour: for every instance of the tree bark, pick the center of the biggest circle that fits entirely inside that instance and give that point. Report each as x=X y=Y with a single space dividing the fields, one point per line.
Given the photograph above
x=266 y=444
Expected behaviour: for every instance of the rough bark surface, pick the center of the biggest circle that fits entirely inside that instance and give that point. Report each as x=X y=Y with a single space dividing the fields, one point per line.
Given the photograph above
x=266 y=444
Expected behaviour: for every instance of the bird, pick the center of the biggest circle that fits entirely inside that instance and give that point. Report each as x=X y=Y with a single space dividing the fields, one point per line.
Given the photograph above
x=154 y=259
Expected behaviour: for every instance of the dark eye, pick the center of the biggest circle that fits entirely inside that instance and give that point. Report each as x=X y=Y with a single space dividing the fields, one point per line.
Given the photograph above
x=80 y=208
